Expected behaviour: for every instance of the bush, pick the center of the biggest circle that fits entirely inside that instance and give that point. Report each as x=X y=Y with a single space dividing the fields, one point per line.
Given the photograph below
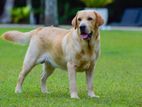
x=20 y=14
x=96 y=3
x=67 y=10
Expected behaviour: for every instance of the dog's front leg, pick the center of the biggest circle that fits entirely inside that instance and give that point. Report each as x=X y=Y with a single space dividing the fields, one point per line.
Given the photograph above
x=72 y=79
x=89 y=78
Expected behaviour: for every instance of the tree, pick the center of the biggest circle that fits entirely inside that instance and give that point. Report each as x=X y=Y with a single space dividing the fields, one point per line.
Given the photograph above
x=51 y=16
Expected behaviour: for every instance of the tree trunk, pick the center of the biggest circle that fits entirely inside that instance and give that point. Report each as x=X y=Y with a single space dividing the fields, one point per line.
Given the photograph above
x=32 y=19
x=6 y=16
x=51 y=16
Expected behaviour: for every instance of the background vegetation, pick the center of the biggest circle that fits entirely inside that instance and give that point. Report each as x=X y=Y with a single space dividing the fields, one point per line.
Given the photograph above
x=68 y=8
x=96 y=3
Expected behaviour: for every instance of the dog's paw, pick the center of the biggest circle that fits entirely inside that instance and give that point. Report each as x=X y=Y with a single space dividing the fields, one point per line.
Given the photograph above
x=92 y=95
x=43 y=90
x=18 y=91
x=74 y=96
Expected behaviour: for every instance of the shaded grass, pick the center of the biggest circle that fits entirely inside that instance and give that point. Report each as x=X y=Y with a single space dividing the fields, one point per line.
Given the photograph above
x=118 y=77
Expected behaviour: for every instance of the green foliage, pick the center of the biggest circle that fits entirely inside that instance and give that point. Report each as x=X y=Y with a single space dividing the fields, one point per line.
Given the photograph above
x=118 y=76
x=20 y=14
x=67 y=10
x=96 y=3
x=68 y=13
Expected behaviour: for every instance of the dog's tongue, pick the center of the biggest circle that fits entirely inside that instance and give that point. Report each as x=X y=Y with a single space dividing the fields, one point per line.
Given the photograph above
x=84 y=36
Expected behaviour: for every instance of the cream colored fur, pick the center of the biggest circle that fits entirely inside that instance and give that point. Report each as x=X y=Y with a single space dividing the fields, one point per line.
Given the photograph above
x=60 y=48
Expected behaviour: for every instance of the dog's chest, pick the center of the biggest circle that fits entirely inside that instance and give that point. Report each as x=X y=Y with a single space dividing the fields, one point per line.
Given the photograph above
x=83 y=60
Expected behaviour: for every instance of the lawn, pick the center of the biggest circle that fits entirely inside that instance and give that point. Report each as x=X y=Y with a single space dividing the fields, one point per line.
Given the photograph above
x=118 y=77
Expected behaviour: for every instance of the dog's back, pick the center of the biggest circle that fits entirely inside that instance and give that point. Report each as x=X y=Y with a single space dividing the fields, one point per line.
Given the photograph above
x=24 y=38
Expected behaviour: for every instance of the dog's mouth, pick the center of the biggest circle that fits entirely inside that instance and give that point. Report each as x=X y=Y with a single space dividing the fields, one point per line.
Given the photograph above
x=86 y=36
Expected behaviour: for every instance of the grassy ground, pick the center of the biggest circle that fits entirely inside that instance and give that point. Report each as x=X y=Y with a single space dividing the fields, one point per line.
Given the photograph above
x=118 y=77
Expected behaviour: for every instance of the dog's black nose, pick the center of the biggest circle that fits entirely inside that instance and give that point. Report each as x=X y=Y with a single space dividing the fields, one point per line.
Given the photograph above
x=82 y=27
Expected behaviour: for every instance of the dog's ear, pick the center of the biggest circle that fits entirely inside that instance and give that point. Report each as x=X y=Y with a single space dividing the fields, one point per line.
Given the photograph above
x=74 y=22
x=99 y=19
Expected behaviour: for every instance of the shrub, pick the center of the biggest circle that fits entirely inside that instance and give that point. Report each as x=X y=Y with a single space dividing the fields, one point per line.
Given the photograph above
x=96 y=3
x=20 y=14
x=67 y=10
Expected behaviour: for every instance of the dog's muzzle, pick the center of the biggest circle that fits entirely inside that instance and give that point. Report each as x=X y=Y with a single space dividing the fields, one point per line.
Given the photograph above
x=84 y=34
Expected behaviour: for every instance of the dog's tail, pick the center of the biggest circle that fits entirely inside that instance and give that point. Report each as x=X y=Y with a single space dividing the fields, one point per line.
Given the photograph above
x=17 y=37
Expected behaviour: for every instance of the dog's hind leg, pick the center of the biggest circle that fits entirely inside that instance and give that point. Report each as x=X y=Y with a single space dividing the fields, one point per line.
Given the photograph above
x=47 y=71
x=29 y=63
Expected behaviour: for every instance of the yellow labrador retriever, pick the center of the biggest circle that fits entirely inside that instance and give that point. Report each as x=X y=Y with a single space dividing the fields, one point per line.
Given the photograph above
x=76 y=50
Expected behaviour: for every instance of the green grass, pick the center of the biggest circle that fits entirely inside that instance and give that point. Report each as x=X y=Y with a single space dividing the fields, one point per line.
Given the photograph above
x=118 y=76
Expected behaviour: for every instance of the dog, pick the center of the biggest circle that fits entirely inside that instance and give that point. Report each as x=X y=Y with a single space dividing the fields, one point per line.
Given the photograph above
x=76 y=50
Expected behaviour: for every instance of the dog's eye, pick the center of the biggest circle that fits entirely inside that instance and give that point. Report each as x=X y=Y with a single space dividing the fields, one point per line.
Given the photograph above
x=79 y=19
x=89 y=18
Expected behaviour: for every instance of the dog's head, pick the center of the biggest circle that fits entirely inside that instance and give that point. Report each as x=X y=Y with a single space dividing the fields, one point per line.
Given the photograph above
x=86 y=22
